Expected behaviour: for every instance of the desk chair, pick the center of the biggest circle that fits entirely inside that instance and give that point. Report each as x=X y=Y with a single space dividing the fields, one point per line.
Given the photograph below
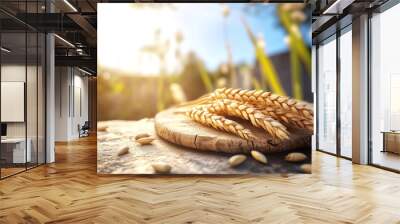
x=84 y=130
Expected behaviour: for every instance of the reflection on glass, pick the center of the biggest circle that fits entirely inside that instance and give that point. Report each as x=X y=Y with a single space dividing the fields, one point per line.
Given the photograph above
x=346 y=94
x=385 y=84
x=327 y=96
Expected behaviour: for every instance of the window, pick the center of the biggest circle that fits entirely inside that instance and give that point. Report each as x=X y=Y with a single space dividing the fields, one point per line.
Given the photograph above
x=327 y=96
x=385 y=89
x=346 y=93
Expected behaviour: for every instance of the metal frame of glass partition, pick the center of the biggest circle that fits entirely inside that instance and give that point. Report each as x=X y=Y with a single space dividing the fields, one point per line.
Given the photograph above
x=387 y=5
x=339 y=31
x=40 y=36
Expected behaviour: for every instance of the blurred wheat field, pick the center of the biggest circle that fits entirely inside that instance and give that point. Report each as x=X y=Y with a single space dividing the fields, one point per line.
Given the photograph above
x=172 y=65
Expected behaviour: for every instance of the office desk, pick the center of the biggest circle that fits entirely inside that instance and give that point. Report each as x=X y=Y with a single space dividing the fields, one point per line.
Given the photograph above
x=391 y=141
x=13 y=150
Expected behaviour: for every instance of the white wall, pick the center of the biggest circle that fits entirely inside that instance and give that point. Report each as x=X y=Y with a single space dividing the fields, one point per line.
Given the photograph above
x=62 y=81
x=80 y=94
x=16 y=73
x=12 y=73
x=70 y=84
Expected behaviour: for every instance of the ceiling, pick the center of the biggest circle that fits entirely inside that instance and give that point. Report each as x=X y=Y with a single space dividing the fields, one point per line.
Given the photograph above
x=332 y=15
x=74 y=22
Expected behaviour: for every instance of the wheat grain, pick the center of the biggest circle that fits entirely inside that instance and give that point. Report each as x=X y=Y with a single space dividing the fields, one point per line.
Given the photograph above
x=162 y=168
x=250 y=113
x=295 y=157
x=123 y=150
x=266 y=99
x=200 y=115
x=259 y=156
x=236 y=160
x=145 y=140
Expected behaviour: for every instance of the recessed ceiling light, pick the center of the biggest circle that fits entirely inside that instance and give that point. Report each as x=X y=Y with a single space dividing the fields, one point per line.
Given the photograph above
x=84 y=71
x=5 y=50
x=64 y=40
x=70 y=5
x=337 y=7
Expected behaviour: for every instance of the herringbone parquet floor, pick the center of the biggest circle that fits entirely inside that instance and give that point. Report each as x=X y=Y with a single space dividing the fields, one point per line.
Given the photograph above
x=70 y=191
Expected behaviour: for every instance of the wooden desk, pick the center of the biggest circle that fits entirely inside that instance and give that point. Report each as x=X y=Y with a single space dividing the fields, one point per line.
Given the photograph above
x=16 y=153
x=391 y=141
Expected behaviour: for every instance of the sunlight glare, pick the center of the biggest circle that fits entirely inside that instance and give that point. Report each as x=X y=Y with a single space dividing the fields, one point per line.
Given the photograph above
x=122 y=43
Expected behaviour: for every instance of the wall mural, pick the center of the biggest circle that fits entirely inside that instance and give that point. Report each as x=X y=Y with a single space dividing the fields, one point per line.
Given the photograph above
x=204 y=88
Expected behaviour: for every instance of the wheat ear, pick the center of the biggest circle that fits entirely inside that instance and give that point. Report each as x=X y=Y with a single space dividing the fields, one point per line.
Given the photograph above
x=202 y=116
x=288 y=119
x=252 y=114
x=266 y=99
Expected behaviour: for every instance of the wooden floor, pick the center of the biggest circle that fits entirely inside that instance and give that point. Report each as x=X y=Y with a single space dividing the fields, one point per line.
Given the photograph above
x=70 y=191
x=10 y=171
x=386 y=159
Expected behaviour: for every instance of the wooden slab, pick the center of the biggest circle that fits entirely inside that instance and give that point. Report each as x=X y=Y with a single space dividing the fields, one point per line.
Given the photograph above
x=174 y=126
x=183 y=160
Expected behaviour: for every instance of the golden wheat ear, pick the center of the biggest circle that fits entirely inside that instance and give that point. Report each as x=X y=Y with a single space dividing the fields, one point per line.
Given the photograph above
x=202 y=116
x=289 y=119
x=248 y=112
x=266 y=99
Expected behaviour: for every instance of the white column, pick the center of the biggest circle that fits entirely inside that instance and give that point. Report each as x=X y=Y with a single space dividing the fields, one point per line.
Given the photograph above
x=50 y=92
x=50 y=98
x=360 y=90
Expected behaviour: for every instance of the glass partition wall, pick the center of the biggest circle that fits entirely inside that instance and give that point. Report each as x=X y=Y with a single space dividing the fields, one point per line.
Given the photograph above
x=13 y=89
x=22 y=77
x=334 y=83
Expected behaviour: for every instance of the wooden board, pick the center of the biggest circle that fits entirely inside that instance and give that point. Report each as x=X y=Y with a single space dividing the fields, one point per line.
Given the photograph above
x=183 y=160
x=174 y=126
